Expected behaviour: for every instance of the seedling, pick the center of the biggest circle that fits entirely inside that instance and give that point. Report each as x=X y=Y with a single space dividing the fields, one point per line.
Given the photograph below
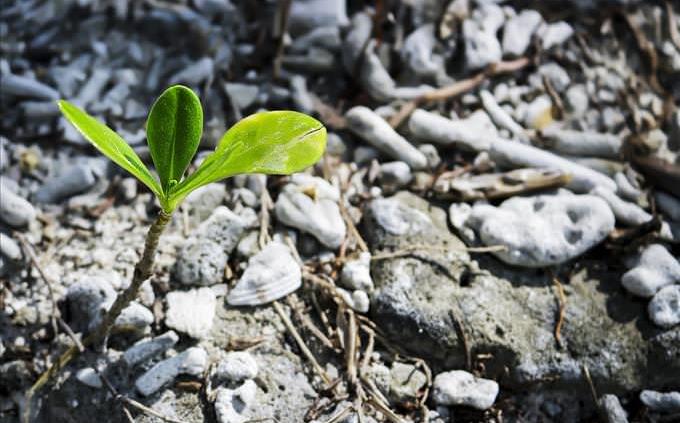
x=275 y=143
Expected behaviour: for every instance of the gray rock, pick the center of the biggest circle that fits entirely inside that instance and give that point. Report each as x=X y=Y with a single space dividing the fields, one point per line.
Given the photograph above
x=654 y=269
x=576 y=98
x=319 y=216
x=554 y=34
x=543 y=230
x=458 y=387
x=14 y=210
x=432 y=155
x=374 y=129
x=518 y=30
x=583 y=143
x=479 y=33
x=325 y=37
x=626 y=213
x=200 y=262
x=405 y=383
x=149 y=348
x=611 y=407
x=77 y=179
x=356 y=274
x=195 y=73
x=135 y=319
x=474 y=133
x=84 y=299
x=10 y=249
x=21 y=86
x=191 y=312
x=664 y=309
x=661 y=402
x=394 y=175
x=501 y=117
x=417 y=52
x=202 y=202
x=237 y=366
x=668 y=204
x=225 y=227
x=193 y=362
x=232 y=404
x=88 y=376
x=301 y=96
x=554 y=73
x=626 y=189
x=242 y=95
x=92 y=89
x=355 y=40
x=308 y=14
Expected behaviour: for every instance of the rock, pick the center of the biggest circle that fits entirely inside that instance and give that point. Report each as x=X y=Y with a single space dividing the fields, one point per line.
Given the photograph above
x=10 y=249
x=237 y=366
x=577 y=99
x=554 y=34
x=231 y=404
x=654 y=269
x=668 y=204
x=192 y=362
x=77 y=179
x=14 y=210
x=88 y=376
x=325 y=37
x=405 y=383
x=626 y=213
x=135 y=319
x=200 y=262
x=202 y=202
x=357 y=300
x=516 y=155
x=21 y=86
x=538 y=113
x=417 y=52
x=458 y=387
x=661 y=402
x=84 y=299
x=474 y=133
x=242 y=95
x=501 y=117
x=302 y=98
x=355 y=40
x=309 y=14
x=432 y=155
x=582 y=143
x=226 y=228
x=375 y=130
x=664 y=309
x=195 y=73
x=271 y=274
x=394 y=175
x=191 y=312
x=92 y=89
x=543 y=230
x=518 y=30
x=626 y=188
x=318 y=214
x=356 y=274
x=479 y=33
x=611 y=407
x=149 y=348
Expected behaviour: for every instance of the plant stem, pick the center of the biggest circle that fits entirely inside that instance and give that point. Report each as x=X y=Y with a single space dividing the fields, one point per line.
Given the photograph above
x=142 y=272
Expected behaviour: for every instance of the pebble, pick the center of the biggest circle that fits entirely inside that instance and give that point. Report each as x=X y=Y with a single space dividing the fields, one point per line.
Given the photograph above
x=237 y=366
x=9 y=248
x=195 y=73
x=21 y=86
x=661 y=402
x=626 y=189
x=84 y=299
x=203 y=201
x=655 y=269
x=317 y=214
x=302 y=98
x=583 y=143
x=668 y=204
x=501 y=117
x=664 y=309
x=432 y=155
x=271 y=274
x=88 y=376
x=543 y=230
x=145 y=349
x=310 y=14
x=134 y=319
x=394 y=175
x=192 y=362
x=242 y=95
x=479 y=34
x=473 y=133
x=325 y=37
x=405 y=383
x=200 y=262
x=225 y=228
x=458 y=387
x=15 y=210
x=357 y=300
x=417 y=52
x=554 y=34
x=355 y=40
x=626 y=213
x=191 y=312
x=356 y=274
x=518 y=31
x=612 y=409
x=375 y=130
x=77 y=179
x=92 y=89
x=231 y=404
x=576 y=98
x=374 y=78
x=538 y=113
x=518 y=155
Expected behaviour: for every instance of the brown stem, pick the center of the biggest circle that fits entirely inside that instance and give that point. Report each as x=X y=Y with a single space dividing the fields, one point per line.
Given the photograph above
x=142 y=273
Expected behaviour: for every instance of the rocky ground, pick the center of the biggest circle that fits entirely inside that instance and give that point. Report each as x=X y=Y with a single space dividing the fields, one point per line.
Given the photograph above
x=492 y=235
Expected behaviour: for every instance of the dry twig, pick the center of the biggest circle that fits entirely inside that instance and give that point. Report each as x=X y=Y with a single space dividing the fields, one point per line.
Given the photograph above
x=562 y=301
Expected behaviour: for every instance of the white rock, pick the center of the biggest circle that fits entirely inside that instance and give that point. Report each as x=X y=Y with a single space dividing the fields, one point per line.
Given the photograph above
x=226 y=228
x=394 y=175
x=75 y=180
x=356 y=274
x=479 y=33
x=88 y=376
x=193 y=362
x=543 y=230
x=241 y=95
x=237 y=366
x=309 y=14
x=319 y=216
x=271 y=274
x=664 y=309
x=474 y=133
x=655 y=269
x=135 y=318
x=626 y=189
x=501 y=117
x=85 y=298
x=462 y=388
x=14 y=210
x=398 y=220
x=203 y=201
x=355 y=40
x=583 y=143
x=518 y=30
x=200 y=262
x=148 y=348
x=374 y=129
x=612 y=408
x=417 y=52
x=357 y=300
x=231 y=405
x=626 y=213
x=191 y=312
x=661 y=402
x=195 y=73
x=554 y=34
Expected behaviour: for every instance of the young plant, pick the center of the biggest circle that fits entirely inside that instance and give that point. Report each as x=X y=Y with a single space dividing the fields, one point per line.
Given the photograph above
x=275 y=143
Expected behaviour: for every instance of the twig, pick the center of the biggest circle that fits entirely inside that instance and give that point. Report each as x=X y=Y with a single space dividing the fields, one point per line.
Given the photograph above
x=340 y=415
x=562 y=301
x=352 y=228
x=591 y=385
x=265 y=205
x=464 y=339
x=409 y=250
x=307 y=322
x=558 y=106
x=383 y=408
x=280 y=27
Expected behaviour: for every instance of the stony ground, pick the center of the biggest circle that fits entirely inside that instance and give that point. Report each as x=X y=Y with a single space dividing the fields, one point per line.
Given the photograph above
x=492 y=235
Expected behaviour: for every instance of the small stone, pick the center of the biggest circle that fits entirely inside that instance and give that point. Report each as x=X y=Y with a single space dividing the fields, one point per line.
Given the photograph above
x=77 y=179
x=394 y=175
x=200 y=262
x=355 y=40
x=232 y=404
x=14 y=210
x=85 y=298
x=226 y=228
x=195 y=73
x=242 y=95
x=462 y=388
x=335 y=145
x=88 y=376
x=193 y=362
x=518 y=31
x=417 y=52
x=202 y=202
x=664 y=309
x=655 y=269
x=577 y=99
x=135 y=318
x=356 y=274
x=475 y=133
x=357 y=300
x=581 y=143
x=626 y=213
x=479 y=33
x=191 y=312
x=21 y=86
x=9 y=248
x=405 y=383
x=611 y=407
x=432 y=155
x=301 y=96
x=148 y=348
x=237 y=366
x=661 y=402
x=554 y=34
x=669 y=204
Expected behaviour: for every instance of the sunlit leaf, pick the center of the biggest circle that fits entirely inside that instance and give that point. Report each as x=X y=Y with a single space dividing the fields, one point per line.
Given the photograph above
x=173 y=132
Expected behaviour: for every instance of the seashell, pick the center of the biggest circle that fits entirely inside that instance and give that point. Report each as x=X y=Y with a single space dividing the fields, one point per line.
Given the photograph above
x=271 y=274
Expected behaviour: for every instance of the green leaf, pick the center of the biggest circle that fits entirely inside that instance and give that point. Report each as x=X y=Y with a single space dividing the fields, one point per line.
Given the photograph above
x=275 y=143
x=110 y=144
x=173 y=132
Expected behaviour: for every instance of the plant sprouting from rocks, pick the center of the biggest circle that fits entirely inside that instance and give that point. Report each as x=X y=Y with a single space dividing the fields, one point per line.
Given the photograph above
x=276 y=142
